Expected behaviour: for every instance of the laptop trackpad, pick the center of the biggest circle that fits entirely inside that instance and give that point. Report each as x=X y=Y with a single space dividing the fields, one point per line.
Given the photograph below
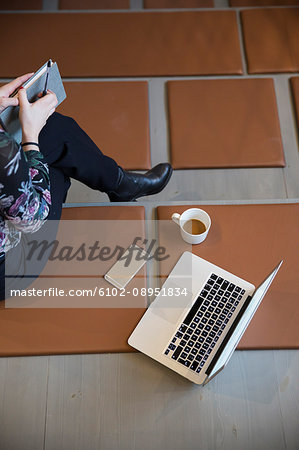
x=171 y=301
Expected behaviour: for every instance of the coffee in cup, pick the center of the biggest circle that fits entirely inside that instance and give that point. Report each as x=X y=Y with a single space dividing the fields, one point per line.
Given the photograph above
x=194 y=225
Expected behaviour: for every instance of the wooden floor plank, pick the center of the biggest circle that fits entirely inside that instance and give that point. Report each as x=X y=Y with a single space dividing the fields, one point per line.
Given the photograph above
x=287 y=367
x=206 y=184
x=23 y=397
x=289 y=134
x=129 y=401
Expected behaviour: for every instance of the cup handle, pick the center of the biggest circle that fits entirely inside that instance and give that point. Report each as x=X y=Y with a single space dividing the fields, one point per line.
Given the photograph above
x=176 y=218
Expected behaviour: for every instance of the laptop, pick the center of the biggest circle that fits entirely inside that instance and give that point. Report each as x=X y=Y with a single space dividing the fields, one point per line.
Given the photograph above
x=199 y=316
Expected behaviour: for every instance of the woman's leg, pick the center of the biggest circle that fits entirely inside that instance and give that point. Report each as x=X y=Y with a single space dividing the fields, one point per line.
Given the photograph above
x=59 y=185
x=67 y=147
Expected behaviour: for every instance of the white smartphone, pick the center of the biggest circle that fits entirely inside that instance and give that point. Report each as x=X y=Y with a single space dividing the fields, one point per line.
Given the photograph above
x=126 y=267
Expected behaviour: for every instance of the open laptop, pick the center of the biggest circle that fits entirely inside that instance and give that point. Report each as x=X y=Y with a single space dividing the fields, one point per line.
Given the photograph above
x=198 y=318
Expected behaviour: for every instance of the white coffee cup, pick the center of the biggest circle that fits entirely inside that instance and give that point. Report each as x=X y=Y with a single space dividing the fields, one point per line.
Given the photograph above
x=192 y=213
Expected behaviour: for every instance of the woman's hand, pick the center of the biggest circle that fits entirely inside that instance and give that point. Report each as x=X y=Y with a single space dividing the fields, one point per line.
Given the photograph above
x=33 y=116
x=9 y=88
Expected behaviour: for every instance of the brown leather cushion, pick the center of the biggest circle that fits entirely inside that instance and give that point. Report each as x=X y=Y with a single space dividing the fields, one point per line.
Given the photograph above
x=295 y=89
x=94 y=4
x=249 y=240
x=224 y=123
x=271 y=38
x=103 y=213
x=115 y=116
x=240 y=3
x=121 y=44
x=21 y=4
x=154 y=4
x=40 y=331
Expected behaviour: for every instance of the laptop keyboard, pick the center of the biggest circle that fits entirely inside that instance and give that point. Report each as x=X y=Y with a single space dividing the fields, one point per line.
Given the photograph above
x=202 y=327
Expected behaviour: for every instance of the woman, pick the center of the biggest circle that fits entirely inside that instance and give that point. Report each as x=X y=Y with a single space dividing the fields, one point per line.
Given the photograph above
x=35 y=177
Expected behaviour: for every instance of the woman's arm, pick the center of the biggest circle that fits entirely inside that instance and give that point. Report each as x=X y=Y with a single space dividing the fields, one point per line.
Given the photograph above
x=24 y=185
x=24 y=179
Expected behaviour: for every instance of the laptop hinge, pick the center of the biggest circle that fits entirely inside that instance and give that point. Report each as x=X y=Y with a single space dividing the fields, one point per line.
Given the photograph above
x=228 y=336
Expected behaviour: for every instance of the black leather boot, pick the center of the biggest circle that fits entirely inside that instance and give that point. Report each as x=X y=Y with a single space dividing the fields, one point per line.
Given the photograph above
x=131 y=186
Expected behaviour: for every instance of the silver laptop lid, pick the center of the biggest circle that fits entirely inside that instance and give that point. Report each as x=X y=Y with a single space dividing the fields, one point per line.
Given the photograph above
x=239 y=326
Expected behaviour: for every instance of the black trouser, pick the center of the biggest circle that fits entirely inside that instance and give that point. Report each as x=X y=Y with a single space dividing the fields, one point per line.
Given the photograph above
x=70 y=153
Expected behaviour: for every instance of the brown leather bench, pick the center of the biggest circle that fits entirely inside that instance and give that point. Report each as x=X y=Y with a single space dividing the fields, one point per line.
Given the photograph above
x=97 y=328
x=269 y=48
x=94 y=4
x=155 y=4
x=249 y=241
x=118 y=44
x=224 y=123
x=116 y=117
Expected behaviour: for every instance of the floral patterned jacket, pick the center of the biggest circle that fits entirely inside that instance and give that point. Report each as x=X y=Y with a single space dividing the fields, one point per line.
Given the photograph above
x=24 y=192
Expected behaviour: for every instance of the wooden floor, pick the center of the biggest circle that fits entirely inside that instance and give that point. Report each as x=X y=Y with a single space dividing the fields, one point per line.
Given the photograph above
x=127 y=401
